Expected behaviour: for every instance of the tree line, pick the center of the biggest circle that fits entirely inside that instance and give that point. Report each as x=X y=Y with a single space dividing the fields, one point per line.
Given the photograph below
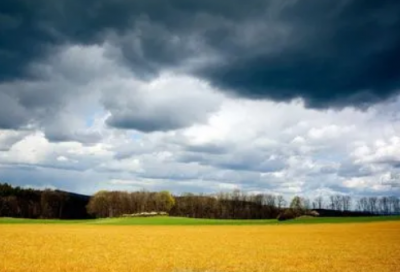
x=116 y=203
x=31 y=203
x=234 y=205
x=229 y=205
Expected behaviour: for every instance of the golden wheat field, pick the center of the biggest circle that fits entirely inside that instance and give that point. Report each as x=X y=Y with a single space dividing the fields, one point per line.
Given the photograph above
x=324 y=247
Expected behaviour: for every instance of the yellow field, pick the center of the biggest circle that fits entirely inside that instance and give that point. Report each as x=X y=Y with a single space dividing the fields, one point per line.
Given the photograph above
x=341 y=247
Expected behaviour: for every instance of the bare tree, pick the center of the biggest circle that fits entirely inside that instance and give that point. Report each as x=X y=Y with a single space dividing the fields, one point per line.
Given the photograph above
x=384 y=205
x=319 y=202
x=346 y=203
x=306 y=203
x=373 y=204
x=394 y=204
x=363 y=205
x=332 y=203
x=270 y=200
x=280 y=201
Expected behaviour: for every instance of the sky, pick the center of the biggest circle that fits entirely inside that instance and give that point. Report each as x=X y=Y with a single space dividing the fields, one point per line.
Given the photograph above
x=285 y=97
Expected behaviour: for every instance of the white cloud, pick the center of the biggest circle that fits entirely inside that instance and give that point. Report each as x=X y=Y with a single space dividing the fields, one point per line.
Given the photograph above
x=166 y=103
x=62 y=159
x=200 y=140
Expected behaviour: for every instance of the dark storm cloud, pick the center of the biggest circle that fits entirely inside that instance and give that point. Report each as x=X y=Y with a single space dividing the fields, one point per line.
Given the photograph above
x=22 y=102
x=342 y=52
x=12 y=115
x=29 y=28
x=330 y=53
x=25 y=105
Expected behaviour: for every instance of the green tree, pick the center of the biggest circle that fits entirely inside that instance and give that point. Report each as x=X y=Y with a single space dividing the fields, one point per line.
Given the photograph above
x=297 y=205
x=167 y=201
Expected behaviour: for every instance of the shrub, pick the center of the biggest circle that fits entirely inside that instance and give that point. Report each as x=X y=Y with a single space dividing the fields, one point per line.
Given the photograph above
x=287 y=215
x=313 y=213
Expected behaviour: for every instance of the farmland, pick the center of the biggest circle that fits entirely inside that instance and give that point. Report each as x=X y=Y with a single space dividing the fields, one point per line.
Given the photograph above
x=177 y=244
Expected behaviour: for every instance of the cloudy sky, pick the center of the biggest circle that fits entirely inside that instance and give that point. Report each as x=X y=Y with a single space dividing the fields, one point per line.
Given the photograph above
x=290 y=97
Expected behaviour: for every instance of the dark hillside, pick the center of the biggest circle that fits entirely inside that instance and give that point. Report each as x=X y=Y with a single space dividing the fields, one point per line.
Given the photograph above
x=334 y=213
x=32 y=203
